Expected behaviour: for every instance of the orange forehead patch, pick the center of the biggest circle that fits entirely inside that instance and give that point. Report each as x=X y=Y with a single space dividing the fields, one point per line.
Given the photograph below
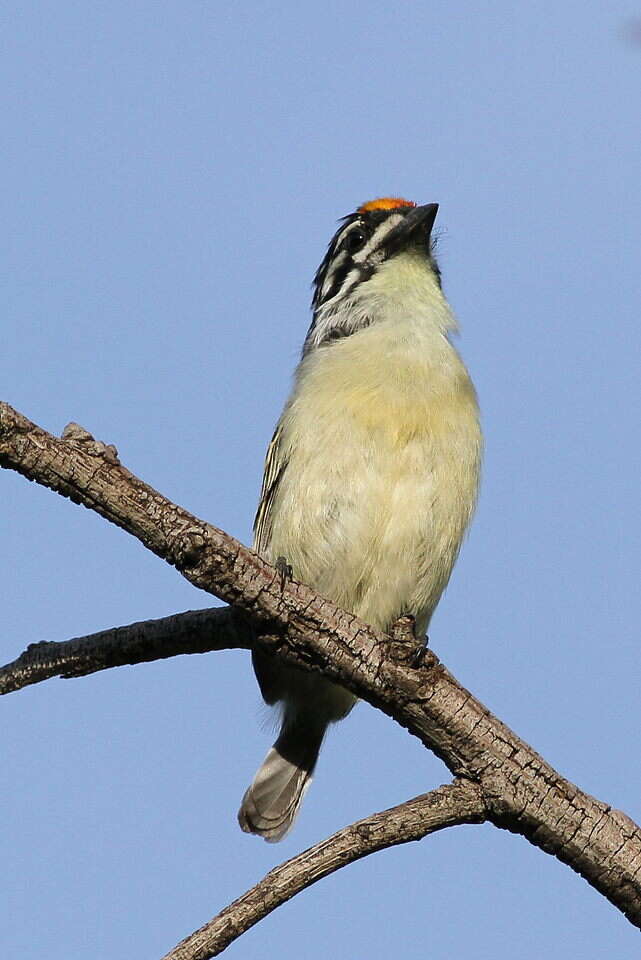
x=385 y=203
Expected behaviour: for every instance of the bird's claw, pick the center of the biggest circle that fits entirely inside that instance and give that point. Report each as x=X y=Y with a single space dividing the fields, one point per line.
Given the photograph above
x=285 y=571
x=420 y=650
x=404 y=632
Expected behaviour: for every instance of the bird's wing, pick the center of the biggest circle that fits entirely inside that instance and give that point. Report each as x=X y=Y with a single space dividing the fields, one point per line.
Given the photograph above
x=269 y=673
x=275 y=466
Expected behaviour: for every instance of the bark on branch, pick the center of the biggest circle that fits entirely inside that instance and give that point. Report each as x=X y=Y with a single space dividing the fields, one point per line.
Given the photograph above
x=522 y=793
x=195 y=631
x=448 y=806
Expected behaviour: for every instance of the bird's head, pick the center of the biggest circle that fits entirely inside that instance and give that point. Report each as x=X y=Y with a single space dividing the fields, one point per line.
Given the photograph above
x=380 y=259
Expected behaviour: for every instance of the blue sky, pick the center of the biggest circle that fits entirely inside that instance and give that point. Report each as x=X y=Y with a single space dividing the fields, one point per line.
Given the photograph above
x=171 y=176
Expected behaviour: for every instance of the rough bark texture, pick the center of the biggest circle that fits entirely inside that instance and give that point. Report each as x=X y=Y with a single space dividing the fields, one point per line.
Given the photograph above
x=448 y=806
x=521 y=792
x=195 y=631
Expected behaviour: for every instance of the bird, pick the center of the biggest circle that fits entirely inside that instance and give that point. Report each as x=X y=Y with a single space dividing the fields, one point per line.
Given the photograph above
x=372 y=474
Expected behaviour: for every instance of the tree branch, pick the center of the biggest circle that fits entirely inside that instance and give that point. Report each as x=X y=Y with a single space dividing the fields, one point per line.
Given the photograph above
x=522 y=792
x=195 y=631
x=448 y=806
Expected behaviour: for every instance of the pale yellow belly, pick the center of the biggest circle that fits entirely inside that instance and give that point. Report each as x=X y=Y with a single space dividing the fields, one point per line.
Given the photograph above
x=373 y=506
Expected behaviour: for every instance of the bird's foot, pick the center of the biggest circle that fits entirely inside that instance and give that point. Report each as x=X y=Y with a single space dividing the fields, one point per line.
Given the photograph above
x=419 y=651
x=285 y=571
x=404 y=632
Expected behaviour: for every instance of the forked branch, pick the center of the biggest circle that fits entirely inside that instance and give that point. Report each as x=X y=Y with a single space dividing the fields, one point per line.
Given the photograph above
x=521 y=792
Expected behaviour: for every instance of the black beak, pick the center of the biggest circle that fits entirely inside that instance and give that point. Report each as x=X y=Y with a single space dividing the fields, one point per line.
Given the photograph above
x=416 y=226
x=421 y=219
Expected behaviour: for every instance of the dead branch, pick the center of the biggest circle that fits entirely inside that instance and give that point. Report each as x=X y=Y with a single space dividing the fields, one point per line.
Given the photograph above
x=195 y=631
x=450 y=805
x=522 y=793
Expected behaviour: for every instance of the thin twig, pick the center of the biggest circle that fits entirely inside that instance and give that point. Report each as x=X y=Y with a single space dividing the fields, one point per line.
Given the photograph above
x=449 y=805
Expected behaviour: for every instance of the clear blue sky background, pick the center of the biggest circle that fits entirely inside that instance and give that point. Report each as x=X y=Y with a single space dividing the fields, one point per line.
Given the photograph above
x=171 y=174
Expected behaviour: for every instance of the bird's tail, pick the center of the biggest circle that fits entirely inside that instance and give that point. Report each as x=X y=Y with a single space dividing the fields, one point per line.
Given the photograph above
x=271 y=803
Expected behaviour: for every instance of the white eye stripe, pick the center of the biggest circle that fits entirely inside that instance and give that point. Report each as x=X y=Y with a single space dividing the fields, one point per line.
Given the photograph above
x=356 y=225
x=378 y=236
x=345 y=270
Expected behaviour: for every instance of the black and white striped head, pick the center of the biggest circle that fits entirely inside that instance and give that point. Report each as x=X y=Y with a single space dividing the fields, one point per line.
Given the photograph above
x=366 y=239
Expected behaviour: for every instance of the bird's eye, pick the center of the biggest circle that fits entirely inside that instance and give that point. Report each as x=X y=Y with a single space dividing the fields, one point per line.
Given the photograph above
x=355 y=240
